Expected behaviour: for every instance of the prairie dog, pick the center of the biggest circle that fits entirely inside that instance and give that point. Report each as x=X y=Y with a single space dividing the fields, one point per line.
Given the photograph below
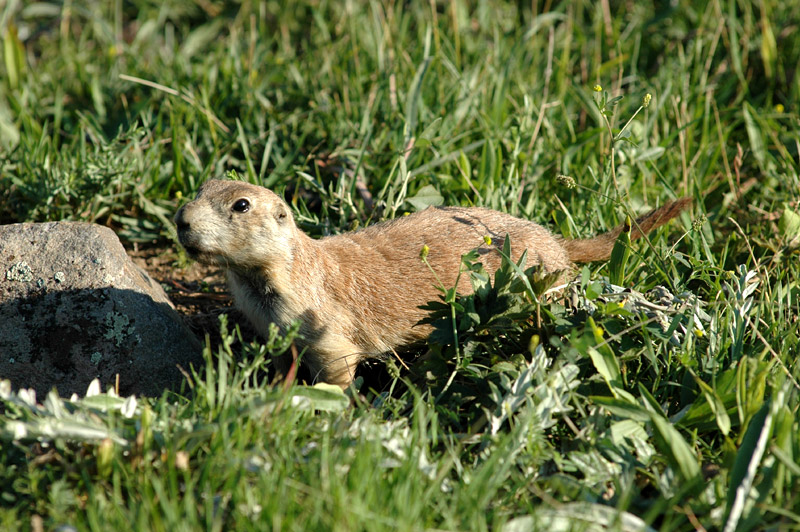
x=357 y=294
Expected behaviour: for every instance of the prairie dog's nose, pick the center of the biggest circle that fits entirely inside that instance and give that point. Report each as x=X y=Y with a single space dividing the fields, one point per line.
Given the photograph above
x=180 y=219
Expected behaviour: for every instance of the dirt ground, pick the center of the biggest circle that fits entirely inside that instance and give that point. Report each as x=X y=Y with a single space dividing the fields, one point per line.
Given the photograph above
x=198 y=291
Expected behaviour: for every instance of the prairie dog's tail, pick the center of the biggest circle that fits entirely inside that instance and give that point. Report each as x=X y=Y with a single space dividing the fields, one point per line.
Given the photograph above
x=599 y=248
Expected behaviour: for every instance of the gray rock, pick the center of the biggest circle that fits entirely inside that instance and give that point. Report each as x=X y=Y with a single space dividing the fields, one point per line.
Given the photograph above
x=73 y=307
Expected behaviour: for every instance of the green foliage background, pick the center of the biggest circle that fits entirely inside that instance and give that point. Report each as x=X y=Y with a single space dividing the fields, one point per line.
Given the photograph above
x=590 y=415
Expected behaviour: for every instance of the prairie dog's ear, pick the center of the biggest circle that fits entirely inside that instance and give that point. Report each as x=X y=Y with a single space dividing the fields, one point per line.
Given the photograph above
x=281 y=213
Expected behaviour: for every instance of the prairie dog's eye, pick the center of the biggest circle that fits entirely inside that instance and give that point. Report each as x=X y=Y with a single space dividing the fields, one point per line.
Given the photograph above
x=241 y=205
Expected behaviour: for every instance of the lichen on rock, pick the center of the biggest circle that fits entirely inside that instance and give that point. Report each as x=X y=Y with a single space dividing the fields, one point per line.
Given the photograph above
x=19 y=271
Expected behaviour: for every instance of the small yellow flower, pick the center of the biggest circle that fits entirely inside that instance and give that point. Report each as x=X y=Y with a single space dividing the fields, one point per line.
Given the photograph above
x=646 y=99
x=779 y=108
x=597 y=88
x=534 y=343
x=179 y=195
x=488 y=240
x=423 y=253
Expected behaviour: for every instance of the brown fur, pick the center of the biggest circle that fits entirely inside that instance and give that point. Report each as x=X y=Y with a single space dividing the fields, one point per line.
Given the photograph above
x=357 y=294
x=599 y=248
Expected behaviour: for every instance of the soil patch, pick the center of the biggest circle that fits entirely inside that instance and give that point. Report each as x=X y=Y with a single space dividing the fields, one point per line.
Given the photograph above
x=198 y=291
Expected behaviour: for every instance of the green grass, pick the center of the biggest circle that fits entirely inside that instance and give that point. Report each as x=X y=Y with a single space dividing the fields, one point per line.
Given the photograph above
x=528 y=412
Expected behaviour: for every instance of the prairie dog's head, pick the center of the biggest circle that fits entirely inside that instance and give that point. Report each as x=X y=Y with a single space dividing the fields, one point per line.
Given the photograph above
x=236 y=225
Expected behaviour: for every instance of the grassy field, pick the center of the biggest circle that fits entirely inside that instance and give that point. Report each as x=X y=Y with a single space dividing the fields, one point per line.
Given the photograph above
x=594 y=411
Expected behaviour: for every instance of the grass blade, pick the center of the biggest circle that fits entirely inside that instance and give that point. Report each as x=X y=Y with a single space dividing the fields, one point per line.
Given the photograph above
x=674 y=447
x=619 y=256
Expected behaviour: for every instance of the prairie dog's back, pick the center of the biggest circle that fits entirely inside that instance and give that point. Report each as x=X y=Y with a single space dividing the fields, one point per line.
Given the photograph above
x=449 y=233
